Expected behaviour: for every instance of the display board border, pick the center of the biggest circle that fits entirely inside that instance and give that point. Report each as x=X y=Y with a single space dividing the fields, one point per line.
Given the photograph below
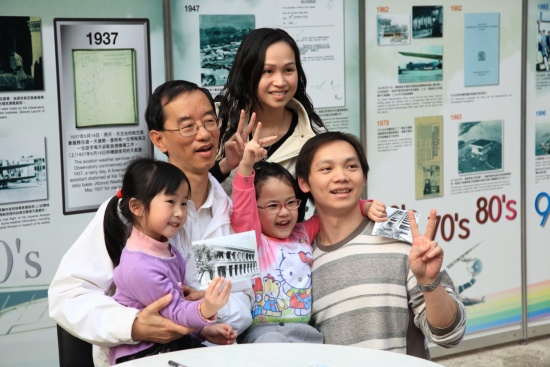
x=66 y=100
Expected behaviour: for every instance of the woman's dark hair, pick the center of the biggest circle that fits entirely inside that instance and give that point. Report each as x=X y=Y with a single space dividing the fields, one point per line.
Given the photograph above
x=144 y=179
x=240 y=90
x=263 y=171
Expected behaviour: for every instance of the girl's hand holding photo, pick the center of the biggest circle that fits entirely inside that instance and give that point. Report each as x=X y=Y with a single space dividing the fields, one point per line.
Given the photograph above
x=215 y=297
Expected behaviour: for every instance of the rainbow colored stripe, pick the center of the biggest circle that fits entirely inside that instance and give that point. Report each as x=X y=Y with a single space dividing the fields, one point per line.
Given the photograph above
x=504 y=308
x=538 y=300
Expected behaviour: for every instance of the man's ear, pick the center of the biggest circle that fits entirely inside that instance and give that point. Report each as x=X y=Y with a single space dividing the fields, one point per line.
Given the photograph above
x=136 y=207
x=303 y=185
x=157 y=138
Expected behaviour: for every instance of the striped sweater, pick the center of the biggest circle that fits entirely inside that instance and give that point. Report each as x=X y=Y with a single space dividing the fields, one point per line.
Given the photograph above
x=364 y=294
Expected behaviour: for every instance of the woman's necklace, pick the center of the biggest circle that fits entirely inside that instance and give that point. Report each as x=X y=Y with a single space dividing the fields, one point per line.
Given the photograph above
x=278 y=130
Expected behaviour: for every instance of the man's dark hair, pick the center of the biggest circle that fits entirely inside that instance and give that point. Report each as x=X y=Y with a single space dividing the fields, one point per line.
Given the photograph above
x=164 y=94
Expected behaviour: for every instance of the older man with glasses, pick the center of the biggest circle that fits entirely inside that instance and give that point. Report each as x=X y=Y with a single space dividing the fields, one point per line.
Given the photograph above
x=182 y=124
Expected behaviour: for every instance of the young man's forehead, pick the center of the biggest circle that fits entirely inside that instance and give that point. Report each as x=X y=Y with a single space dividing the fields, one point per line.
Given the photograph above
x=335 y=149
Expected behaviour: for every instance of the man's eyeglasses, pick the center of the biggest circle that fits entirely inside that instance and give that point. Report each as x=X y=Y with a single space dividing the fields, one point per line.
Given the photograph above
x=275 y=208
x=189 y=130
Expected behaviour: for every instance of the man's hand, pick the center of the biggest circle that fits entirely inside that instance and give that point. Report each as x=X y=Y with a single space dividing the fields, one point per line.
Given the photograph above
x=426 y=257
x=234 y=147
x=219 y=334
x=150 y=326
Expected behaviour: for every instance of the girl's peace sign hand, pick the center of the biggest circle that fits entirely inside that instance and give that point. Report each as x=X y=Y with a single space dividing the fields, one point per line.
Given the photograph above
x=254 y=151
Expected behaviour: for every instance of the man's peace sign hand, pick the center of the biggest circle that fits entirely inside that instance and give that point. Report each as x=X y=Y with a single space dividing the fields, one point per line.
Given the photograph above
x=234 y=147
x=426 y=257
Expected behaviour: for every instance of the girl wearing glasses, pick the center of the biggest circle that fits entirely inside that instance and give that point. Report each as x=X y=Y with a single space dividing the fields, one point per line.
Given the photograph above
x=265 y=199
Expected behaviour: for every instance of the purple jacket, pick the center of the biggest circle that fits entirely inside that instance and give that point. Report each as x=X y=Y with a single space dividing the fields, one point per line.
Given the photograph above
x=142 y=278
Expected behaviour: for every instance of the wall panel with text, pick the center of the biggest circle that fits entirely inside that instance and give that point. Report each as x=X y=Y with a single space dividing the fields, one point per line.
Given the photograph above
x=443 y=105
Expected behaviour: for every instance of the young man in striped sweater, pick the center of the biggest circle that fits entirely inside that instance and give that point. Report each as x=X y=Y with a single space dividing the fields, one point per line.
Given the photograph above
x=371 y=291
